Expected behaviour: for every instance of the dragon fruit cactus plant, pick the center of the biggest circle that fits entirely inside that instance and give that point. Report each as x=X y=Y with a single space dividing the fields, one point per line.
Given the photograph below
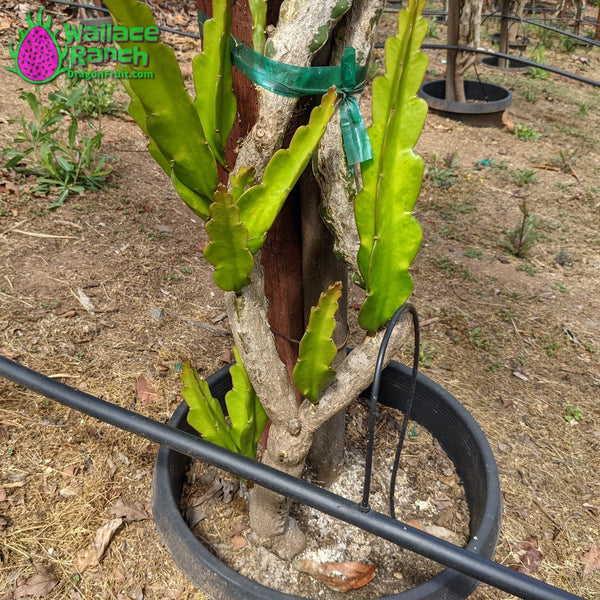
x=38 y=58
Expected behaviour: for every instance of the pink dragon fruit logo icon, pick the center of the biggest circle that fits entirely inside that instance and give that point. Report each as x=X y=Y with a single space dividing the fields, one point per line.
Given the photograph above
x=38 y=57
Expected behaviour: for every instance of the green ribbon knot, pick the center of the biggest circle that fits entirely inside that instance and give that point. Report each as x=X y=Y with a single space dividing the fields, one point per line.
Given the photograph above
x=293 y=81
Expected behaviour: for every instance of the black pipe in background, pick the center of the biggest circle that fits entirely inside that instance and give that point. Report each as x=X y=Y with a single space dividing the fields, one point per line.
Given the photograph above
x=298 y=490
x=525 y=61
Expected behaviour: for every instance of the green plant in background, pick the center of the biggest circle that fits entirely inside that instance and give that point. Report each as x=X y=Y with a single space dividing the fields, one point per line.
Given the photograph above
x=525 y=132
x=573 y=414
x=565 y=160
x=567 y=44
x=432 y=29
x=538 y=56
x=524 y=235
x=528 y=93
x=441 y=173
x=528 y=269
x=426 y=355
x=523 y=177
x=89 y=97
x=63 y=160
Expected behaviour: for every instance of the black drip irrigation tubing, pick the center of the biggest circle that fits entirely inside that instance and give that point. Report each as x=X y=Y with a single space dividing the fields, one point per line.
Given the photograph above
x=499 y=15
x=525 y=61
x=298 y=490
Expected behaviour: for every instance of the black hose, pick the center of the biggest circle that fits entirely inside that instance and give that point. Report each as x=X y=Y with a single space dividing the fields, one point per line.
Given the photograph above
x=525 y=61
x=364 y=505
x=499 y=15
x=399 y=533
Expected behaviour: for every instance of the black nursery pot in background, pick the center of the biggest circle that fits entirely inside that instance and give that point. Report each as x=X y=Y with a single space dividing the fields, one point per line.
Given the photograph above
x=434 y=408
x=484 y=107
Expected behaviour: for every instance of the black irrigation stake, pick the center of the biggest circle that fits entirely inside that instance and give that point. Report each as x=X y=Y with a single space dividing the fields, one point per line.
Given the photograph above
x=401 y=534
x=364 y=505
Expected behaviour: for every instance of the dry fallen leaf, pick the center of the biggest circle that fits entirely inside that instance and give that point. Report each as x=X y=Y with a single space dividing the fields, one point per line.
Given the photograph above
x=591 y=560
x=144 y=390
x=339 y=577
x=130 y=511
x=527 y=555
x=508 y=122
x=91 y=556
x=238 y=542
x=39 y=585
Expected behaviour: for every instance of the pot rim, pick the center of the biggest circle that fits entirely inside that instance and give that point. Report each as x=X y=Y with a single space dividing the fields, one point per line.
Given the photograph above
x=223 y=583
x=466 y=108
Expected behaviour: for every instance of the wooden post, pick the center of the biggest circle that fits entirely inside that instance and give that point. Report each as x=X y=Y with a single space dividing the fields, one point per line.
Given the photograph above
x=281 y=255
x=504 y=32
x=321 y=269
x=453 y=24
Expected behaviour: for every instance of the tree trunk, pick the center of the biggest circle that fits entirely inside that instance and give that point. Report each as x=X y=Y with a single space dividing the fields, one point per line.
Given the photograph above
x=504 y=32
x=321 y=269
x=453 y=25
x=597 y=30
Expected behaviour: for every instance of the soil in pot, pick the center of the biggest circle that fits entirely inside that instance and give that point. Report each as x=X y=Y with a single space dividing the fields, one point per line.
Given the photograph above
x=428 y=495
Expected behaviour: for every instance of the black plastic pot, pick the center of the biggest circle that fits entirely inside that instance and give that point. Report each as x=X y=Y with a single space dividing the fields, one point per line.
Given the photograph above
x=515 y=66
x=485 y=101
x=434 y=408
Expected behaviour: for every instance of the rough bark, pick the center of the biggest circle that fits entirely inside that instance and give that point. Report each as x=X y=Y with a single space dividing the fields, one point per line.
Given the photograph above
x=453 y=28
x=504 y=32
x=469 y=34
x=339 y=182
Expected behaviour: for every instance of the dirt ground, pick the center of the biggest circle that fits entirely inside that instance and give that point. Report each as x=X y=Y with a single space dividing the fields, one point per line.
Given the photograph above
x=516 y=340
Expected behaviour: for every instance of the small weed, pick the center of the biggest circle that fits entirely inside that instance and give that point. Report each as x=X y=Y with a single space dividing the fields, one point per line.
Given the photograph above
x=507 y=315
x=467 y=275
x=474 y=253
x=426 y=355
x=154 y=236
x=88 y=97
x=476 y=338
x=565 y=161
x=529 y=94
x=583 y=109
x=432 y=30
x=450 y=233
x=568 y=44
x=525 y=132
x=590 y=348
x=173 y=277
x=442 y=173
x=186 y=270
x=466 y=208
x=561 y=287
x=60 y=157
x=495 y=365
x=573 y=413
x=523 y=177
x=527 y=269
x=521 y=239
x=445 y=265
x=550 y=345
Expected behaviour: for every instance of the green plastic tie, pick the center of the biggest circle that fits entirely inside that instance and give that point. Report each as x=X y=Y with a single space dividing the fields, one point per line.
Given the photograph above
x=293 y=81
